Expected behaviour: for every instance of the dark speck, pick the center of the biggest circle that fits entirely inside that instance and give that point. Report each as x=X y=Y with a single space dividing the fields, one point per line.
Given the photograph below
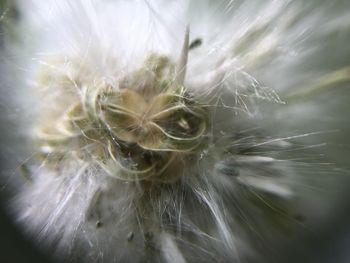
x=98 y=224
x=195 y=43
x=130 y=236
x=228 y=169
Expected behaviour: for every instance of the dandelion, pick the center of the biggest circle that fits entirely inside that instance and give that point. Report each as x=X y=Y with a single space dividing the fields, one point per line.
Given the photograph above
x=171 y=131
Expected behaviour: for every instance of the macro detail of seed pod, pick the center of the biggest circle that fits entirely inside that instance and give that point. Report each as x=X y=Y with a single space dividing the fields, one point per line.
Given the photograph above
x=176 y=131
x=146 y=126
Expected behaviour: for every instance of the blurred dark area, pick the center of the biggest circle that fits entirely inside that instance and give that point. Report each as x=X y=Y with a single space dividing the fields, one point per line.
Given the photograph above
x=14 y=246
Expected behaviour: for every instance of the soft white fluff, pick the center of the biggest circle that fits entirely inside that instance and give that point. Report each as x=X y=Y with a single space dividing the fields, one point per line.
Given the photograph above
x=259 y=70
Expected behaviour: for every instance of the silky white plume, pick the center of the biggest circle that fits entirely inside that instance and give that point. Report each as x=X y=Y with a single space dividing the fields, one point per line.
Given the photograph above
x=175 y=131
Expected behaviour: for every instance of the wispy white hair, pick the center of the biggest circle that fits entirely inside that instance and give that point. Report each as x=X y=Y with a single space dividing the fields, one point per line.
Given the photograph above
x=261 y=69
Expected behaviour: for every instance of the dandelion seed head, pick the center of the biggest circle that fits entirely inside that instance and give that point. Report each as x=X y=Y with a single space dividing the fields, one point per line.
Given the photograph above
x=141 y=127
x=172 y=131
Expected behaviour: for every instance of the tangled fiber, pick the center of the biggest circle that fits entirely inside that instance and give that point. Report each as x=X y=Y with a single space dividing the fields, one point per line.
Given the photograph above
x=174 y=131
